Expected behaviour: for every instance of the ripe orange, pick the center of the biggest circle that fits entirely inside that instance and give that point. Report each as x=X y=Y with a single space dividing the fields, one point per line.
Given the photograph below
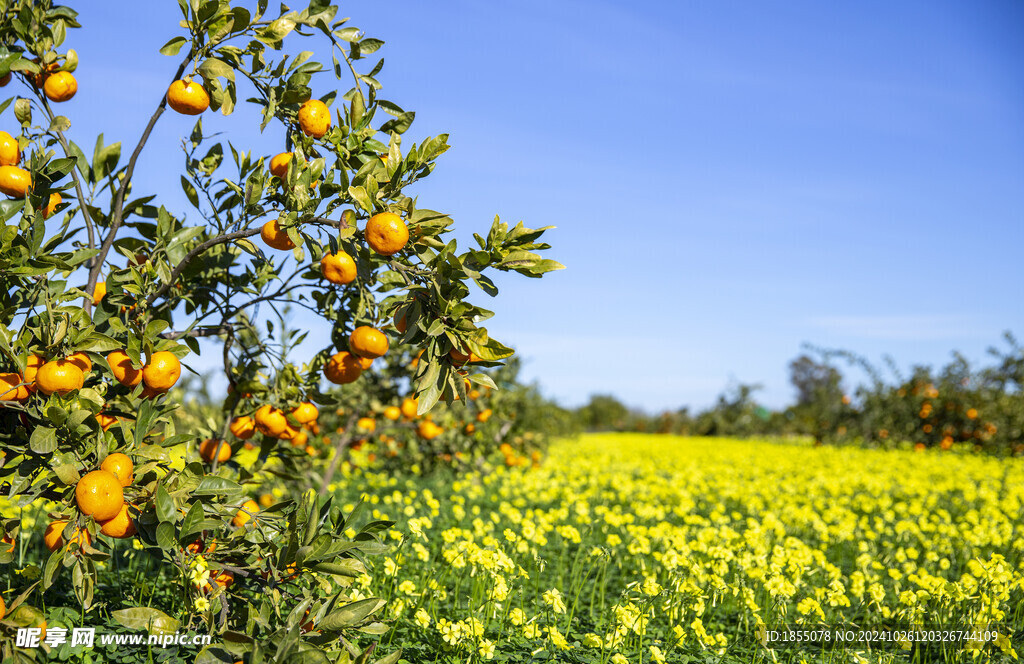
x=208 y=448
x=11 y=388
x=365 y=362
x=386 y=233
x=105 y=421
x=410 y=407
x=60 y=376
x=99 y=292
x=307 y=626
x=224 y=578
x=342 y=368
x=279 y=164
x=469 y=428
x=972 y=413
x=401 y=324
x=338 y=268
x=244 y=515
x=366 y=341
x=392 y=413
x=367 y=424
x=61 y=86
x=289 y=432
x=484 y=415
x=120 y=466
x=14 y=181
x=32 y=365
x=38 y=80
x=121 y=366
x=299 y=439
x=243 y=427
x=275 y=236
x=428 y=430
x=197 y=546
x=149 y=393
x=266 y=500
x=51 y=204
x=162 y=371
x=99 y=494
x=271 y=421
x=52 y=535
x=314 y=118
x=81 y=360
x=305 y=412
x=187 y=97
x=121 y=526
x=10 y=151
x=459 y=358
x=467 y=384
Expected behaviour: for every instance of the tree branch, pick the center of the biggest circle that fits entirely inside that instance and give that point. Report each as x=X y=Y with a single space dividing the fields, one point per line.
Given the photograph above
x=211 y=331
x=338 y=450
x=198 y=249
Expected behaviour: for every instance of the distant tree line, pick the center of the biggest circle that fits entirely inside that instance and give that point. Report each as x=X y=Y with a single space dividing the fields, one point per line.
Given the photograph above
x=955 y=406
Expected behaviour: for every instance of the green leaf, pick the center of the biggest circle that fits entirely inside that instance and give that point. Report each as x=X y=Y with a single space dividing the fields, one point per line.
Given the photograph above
x=43 y=440
x=211 y=485
x=390 y=658
x=193 y=520
x=400 y=124
x=214 y=68
x=351 y=614
x=344 y=567
x=60 y=123
x=165 y=536
x=360 y=196
x=165 y=510
x=67 y=473
x=172 y=47
x=492 y=351
x=153 y=620
x=143 y=421
x=276 y=31
x=369 y=45
x=242 y=18
x=348 y=34
x=190 y=191
x=23 y=111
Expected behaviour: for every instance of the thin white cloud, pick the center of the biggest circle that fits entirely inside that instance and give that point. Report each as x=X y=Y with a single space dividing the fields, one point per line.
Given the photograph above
x=904 y=327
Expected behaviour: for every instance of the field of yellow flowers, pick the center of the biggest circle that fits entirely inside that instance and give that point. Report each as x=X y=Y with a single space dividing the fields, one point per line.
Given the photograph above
x=642 y=548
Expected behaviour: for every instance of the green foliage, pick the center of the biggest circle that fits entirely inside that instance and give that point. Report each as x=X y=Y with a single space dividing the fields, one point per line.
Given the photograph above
x=115 y=270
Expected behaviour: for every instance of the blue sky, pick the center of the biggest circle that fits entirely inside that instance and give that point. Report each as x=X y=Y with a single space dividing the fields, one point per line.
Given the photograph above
x=729 y=180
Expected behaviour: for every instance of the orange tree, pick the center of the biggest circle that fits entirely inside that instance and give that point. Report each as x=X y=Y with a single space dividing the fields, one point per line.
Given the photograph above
x=378 y=424
x=956 y=406
x=105 y=293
